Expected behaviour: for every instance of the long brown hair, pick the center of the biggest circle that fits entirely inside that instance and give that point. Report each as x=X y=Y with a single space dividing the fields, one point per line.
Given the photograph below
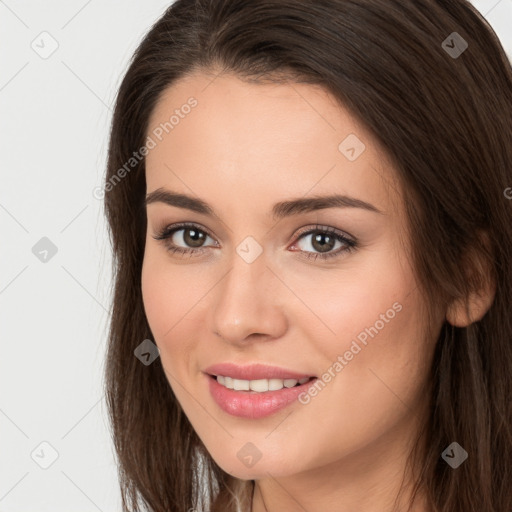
x=443 y=112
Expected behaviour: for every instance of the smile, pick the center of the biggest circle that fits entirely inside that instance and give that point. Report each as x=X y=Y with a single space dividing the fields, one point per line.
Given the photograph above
x=257 y=398
x=259 y=385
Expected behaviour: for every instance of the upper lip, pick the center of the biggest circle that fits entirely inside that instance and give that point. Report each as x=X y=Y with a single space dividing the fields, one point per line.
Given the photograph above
x=254 y=371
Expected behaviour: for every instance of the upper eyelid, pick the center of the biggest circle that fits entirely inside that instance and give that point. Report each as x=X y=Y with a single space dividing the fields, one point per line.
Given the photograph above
x=172 y=228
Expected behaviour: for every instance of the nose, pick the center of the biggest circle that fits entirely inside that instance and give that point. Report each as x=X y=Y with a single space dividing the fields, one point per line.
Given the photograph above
x=249 y=303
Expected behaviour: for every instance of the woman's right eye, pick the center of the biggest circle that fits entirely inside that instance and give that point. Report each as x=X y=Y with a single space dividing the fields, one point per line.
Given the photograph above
x=191 y=236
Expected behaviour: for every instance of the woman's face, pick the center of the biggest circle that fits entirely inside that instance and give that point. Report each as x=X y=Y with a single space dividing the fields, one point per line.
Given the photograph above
x=254 y=288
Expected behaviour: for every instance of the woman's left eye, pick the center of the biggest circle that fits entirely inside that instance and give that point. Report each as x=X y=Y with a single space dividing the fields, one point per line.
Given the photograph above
x=323 y=239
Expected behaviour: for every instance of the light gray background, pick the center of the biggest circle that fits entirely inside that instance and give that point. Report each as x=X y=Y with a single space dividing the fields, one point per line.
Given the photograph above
x=55 y=114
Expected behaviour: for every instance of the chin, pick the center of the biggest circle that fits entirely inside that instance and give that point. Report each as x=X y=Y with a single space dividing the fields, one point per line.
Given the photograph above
x=241 y=466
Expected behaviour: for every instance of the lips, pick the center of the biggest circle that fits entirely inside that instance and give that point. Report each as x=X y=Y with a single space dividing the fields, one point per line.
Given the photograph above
x=254 y=372
x=256 y=390
x=253 y=405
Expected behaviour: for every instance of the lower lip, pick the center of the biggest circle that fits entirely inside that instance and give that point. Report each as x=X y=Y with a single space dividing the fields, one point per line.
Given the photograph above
x=249 y=404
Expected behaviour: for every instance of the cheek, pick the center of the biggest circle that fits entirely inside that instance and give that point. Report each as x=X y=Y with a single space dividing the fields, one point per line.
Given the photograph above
x=167 y=294
x=166 y=298
x=383 y=360
x=157 y=296
x=362 y=302
x=371 y=335
x=371 y=386
x=173 y=297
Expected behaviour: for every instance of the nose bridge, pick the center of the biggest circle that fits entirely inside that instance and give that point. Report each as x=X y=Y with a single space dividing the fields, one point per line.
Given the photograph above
x=247 y=300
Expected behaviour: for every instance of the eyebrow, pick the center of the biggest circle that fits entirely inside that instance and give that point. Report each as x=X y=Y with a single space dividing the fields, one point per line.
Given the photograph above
x=279 y=210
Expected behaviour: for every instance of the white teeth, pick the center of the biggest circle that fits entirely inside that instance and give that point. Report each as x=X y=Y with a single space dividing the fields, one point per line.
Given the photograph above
x=240 y=385
x=259 y=385
x=275 y=384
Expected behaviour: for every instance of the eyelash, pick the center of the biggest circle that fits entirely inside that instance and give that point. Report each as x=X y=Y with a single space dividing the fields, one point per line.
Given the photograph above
x=168 y=231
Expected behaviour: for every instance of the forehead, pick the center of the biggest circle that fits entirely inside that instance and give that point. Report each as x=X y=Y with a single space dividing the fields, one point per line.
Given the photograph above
x=262 y=142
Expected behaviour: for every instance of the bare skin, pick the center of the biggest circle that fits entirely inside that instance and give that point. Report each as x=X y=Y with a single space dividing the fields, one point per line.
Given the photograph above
x=242 y=149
